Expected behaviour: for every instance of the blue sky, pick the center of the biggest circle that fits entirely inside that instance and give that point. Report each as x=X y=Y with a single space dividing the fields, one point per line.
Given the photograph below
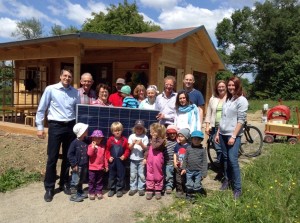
x=169 y=14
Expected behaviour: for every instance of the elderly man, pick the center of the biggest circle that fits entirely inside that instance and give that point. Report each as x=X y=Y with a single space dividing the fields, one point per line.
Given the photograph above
x=195 y=96
x=165 y=102
x=60 y=101
x=116 y=99
x=87 y=95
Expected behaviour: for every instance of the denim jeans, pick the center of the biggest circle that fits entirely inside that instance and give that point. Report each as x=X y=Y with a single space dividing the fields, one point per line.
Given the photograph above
x=216 y=145
x=78 y=178
x=137 y=175
x=231 y=164
x=169 y=180
x=193 y=180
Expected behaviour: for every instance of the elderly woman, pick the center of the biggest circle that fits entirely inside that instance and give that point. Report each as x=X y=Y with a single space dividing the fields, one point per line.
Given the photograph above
x=149 y=102
x=187 y=114
x=139 y=93
x=102 y=90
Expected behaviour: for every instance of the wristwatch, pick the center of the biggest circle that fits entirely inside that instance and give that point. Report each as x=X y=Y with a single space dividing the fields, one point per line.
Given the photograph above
x=233 y=136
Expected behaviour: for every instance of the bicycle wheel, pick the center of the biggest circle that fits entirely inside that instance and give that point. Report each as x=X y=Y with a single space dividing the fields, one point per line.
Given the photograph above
x=251 y=141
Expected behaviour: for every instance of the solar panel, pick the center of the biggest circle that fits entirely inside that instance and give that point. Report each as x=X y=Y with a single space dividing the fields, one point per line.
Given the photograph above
x=101 y=117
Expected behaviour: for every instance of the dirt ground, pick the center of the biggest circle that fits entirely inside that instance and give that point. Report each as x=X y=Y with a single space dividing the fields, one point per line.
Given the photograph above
x=26 y=204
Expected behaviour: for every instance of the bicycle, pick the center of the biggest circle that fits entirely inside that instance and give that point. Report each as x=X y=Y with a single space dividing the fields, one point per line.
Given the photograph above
x=251 y=144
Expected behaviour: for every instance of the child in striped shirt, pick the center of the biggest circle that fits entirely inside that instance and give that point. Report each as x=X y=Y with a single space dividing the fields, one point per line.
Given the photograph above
x=195 y=165
x=128 y=100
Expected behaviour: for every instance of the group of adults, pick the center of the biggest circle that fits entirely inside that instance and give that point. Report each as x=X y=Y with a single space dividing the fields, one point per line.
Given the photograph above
x=226 y=114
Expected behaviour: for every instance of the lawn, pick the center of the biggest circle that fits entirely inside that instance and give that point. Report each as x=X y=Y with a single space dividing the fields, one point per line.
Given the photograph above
x=271 y=193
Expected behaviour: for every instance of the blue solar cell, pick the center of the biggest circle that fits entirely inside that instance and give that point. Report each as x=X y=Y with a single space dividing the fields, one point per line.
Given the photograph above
x=100 y=117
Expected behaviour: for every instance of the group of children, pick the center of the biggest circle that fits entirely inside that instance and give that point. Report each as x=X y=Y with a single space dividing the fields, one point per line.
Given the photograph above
x=165 y=162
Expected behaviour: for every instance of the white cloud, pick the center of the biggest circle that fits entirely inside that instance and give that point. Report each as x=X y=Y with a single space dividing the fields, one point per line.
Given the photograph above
x=191 y=16
x=79 y=14
x=160 y=4
x=7 y=26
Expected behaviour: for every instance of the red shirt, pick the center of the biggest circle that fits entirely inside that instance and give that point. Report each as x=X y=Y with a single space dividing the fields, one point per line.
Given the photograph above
x=116 y=99
x=122 y=141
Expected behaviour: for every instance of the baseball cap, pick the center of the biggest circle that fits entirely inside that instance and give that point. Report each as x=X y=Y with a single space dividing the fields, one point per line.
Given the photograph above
x=120 y=81
x=139 y=122
x=198 y=134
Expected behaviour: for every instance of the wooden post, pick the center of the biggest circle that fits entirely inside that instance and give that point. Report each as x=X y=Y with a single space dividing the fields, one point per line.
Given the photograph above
x=76 y=72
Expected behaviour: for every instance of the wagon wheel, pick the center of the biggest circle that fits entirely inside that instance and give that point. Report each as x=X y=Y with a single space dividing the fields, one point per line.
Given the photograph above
x=269 y=138
x=292 y=141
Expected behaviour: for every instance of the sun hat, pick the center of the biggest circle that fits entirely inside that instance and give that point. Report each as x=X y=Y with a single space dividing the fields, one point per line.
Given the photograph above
x=120 y=81
x=126 y=89
x=97 y=134
x=185 y=132
x=198 y=134
x=172 y=129
x=79 y=129
x=152 y=88
x=139 y=122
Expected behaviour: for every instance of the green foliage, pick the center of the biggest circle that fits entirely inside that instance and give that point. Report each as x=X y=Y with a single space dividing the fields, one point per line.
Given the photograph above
x=57 y=30
x=122 y=19
x=28 y=29
x=14 y=178
x=264 y=41
x=270 y=194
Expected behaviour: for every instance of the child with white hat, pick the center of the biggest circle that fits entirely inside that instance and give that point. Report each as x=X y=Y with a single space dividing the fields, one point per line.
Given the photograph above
x=77 y=156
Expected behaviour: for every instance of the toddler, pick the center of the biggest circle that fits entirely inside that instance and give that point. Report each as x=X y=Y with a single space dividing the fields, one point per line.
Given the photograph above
x=169 y=158
x=128 y=100
x=77 y=156
x=138 y=142
x=117 y=151
x=97 y=165
x=155 y=161
x=195 y=165
x=179 y=153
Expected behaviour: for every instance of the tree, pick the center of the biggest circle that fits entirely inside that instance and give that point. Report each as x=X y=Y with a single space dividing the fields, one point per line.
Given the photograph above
x=28 y=29
x=57 y=30
x=121 y=20
x=264 y=41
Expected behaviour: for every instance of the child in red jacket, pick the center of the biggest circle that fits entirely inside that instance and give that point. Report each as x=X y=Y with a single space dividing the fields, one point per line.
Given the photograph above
x=117 y=152
x=97 y=165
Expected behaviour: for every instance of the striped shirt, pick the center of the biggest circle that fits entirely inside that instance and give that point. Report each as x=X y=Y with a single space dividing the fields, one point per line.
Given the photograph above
x=195 y=159
x=130 y=102
x=169 y=152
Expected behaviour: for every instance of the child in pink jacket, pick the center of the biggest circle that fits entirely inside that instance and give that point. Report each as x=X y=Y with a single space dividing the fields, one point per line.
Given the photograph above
x=155 y=161
x=97 y=165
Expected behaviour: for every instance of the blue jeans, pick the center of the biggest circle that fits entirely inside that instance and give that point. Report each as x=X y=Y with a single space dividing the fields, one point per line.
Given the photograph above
x=169 y=180
x=231 y=163
x=78 y=178
x=216 y=145
x=193 y=180
x=137 y=175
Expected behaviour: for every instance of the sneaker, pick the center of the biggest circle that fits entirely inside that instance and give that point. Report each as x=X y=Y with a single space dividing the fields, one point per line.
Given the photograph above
x=132 y=192
x=92 y=196
x=237 y=194
x=149 y=195
x=99 y=196
x=76 y=197
x=225 y=185
x=169 y=191
x=158 y=195
x=141 y=193
x=119 y=193
x=111 y=193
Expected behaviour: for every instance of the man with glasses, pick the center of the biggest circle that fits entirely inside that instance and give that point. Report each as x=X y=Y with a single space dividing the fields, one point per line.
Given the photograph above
x=87 y=95
x=165 y=102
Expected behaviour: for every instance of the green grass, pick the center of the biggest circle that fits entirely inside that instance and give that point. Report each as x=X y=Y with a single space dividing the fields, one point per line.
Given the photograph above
x=14 y=178
x=271 y=193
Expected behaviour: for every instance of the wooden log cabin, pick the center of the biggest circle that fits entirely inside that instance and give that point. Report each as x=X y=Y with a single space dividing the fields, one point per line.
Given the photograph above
x=144 y=57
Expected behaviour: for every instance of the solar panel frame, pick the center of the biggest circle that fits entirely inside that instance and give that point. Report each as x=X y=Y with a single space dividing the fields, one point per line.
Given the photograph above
x=101 y=117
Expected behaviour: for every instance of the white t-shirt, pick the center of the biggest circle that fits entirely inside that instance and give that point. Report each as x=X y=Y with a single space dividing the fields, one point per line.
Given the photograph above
x=137 y=152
